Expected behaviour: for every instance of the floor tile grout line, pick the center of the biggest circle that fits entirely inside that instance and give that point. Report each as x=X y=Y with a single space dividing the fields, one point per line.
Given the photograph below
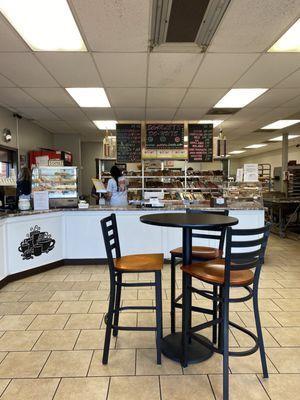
x=263 y=387
x=211 y=386
x=159 y=387
x=108 y=388
x=56 y=389
x=90 y=363
x=39 y=374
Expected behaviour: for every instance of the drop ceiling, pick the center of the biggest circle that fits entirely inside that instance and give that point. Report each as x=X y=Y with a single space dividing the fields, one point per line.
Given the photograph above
x=166 y=85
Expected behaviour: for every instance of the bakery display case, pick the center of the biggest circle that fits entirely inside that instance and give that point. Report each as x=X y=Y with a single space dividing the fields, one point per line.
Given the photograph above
x=246 y=194
x=60 y=182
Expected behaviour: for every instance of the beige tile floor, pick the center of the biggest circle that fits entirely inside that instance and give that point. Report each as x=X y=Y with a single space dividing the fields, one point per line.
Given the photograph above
x=52 y=333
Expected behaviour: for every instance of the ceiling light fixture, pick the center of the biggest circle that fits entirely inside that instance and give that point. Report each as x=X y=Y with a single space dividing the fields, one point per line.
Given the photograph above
x=281 y=123
x=238 y=98
x=215 y=122
x=279 y=138
x=289 y=41
x=237 y=152
x=89 y=97
x=46 y=25
x=255 y=146
x=105 y=125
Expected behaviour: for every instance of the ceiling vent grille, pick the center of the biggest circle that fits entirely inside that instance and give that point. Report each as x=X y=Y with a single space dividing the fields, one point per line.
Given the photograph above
x=223 y=111
x=186 y=21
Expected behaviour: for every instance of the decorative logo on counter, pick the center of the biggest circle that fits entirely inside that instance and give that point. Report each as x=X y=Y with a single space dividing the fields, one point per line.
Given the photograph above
x=36 y=243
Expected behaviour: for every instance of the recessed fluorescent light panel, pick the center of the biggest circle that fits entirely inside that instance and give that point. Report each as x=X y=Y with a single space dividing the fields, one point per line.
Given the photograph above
x=89 y=97
x=237 y=152
x=281 y=123
x=279 y=138
x=46 y=25
x=238 y=98
x=290 y=41
x=105 y=125
x=255 y=146
x=215 y=122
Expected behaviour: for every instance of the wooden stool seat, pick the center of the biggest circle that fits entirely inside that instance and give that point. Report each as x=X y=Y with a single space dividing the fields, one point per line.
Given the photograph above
x=140 y=262
x=208 y=253
x=213 y=272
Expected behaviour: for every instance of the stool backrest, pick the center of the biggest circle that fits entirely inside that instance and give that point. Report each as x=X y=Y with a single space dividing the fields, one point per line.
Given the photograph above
x=217 y=233
x=111 y=239
x=245 y=249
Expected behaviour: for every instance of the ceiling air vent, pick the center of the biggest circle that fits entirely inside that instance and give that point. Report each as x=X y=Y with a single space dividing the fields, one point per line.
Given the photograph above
x=186 y=21
x=224 y=111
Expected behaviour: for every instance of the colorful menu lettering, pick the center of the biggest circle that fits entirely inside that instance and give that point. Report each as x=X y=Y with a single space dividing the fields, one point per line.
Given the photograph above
x=128 y=143
x=200 y=142
x=164 y=136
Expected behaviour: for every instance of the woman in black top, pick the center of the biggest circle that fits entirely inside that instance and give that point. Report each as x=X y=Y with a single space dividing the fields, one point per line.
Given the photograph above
x=24 y=182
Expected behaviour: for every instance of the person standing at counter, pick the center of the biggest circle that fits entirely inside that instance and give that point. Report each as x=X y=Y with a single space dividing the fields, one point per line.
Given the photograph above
x=117 y=188
x=24 y=182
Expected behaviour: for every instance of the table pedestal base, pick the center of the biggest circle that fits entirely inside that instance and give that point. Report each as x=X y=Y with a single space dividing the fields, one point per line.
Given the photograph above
x=171 y=348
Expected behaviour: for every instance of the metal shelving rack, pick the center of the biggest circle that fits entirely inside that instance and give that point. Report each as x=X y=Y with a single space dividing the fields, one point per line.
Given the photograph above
x=184 y=178
x=264 y=176
x=294 y=181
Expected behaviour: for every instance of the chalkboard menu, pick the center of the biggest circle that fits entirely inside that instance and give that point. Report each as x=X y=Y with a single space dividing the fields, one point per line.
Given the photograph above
x=128 y=143
x=200 y=142
x=164 y=136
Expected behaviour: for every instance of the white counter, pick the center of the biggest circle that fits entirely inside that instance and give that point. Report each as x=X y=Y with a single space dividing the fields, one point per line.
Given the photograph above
x=78 y=236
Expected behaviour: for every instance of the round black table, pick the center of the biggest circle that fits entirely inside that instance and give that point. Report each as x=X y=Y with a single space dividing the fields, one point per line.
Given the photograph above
x=172 y=343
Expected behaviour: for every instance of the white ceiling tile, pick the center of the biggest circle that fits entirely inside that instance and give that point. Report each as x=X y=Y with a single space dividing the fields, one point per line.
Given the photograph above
x=292 y=103
x=56 y=126
x=71 y=69
x=9 y=40
x=276 y=114
x=222 y=70
x=253 y=25
x=4 y=82
x=172 y=69
x=122 y=69
x=15 y=97
x=170 y=97
x=99 y=113
x=38 y=113
x=83 y=126
x=275 y=97
x=118 y=25
x=269 y=69
x=130 y=114
x=127 y=97
x=248 y=113
x=190 y=113
x=51 y=97
x=292 y=81
x=69 y=113
x=24 y=70
x=166 y=114
x=202 y=97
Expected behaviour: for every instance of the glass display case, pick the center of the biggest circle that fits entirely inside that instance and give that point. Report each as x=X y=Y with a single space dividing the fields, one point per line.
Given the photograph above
x=243 y=194
x=60 y=182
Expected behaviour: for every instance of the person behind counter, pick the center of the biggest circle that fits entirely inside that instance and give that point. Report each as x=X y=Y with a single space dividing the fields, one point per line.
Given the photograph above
x=117 y=188
x=24 y=182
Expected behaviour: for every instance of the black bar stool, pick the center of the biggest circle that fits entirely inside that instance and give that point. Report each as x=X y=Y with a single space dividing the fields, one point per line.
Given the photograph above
x=119 y=265
x=235 y=270
x=199 y=253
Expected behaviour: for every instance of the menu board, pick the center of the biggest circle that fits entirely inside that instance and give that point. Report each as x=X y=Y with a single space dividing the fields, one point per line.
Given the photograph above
x=164 y=136
x=128 y=143
x=200 y=142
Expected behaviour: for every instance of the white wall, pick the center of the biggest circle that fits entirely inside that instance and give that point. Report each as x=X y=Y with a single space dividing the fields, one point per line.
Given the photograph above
x=270 y=157
x=31 y=136
x=89 y=152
